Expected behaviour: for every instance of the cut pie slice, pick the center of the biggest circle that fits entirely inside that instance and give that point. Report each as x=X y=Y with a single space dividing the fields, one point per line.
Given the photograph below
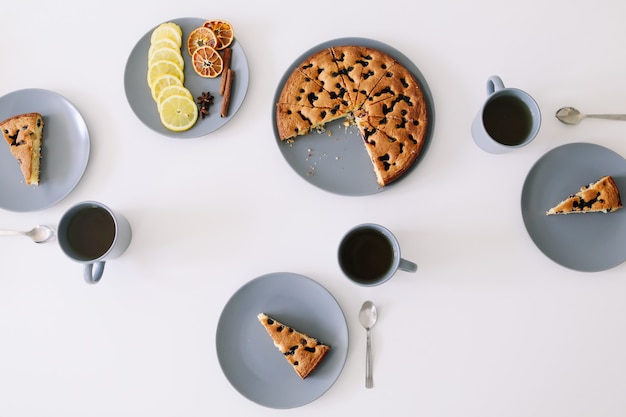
x=395 y=82
x=303 y=105
x=600 y=196
x=362 y=69
x=293 y=120
x=399 y=106
x=303 y=90
x=24 y=134
x=391 y=156
x=302 y=351
x=322 y=68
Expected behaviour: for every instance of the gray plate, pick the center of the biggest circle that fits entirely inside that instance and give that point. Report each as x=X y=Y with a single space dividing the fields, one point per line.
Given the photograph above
x=587 y=242
x=140 y=99
x=64 y=153
x=248 y=356
x=336 y=160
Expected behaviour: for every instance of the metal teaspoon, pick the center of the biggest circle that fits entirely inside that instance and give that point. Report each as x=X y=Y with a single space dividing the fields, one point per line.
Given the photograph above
x=571 y=116
x=39 y=234
x=368 y=316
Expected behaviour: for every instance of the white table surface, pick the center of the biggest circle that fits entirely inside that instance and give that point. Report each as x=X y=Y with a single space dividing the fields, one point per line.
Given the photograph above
x=488 y=326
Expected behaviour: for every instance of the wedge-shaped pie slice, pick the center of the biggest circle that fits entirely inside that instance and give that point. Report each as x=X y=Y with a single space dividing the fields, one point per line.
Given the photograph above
x=362 y=69
x=322 y=68
x=303 y=90
x=294 y=120
x=24 y=134
x=397 y=81
x=304 y=104
x=399 y=106
x=391 y=156
x=600 y=196
x=302 y=351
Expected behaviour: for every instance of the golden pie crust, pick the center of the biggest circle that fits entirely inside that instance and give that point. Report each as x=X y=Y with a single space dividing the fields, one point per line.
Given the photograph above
x=600 y=196
x=24 y=133
x=368 y=86
x=302 y=351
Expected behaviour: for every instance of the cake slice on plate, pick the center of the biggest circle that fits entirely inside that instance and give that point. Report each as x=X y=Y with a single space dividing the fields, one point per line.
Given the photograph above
x=24 y=133
x=302 y=351
x=600 y=196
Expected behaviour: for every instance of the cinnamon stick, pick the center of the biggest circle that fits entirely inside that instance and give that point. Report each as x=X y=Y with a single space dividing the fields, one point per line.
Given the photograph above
x=227 y=56
x=227 y=92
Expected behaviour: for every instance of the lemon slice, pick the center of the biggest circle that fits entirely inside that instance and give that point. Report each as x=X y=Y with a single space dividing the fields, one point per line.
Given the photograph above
x=162 y=67
x=166 y=31
x=172 y=90
x=178 y=113
x=161 y=43
x=167 y=54
x=164 y=81
x=174 y=26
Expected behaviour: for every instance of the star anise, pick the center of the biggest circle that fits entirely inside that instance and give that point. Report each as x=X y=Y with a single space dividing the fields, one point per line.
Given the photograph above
x=204 y=102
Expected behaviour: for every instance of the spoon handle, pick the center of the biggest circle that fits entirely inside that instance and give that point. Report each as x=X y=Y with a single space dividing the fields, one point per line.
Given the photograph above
x=10 y=233
x=607 y=116
x=369 y=382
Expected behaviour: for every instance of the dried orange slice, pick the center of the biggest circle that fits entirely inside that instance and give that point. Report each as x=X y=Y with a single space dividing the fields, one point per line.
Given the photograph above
x=223 y=32
x=207 y=62
x=200 y=37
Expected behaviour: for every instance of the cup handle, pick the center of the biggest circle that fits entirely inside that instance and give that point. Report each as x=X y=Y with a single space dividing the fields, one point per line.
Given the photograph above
x=494 y=83
x=92 y=275
x=407 y=266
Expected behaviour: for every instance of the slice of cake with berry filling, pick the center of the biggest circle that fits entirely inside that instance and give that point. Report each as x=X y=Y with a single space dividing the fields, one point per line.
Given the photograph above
x=24 y=133
x=302 y=351
x=600 y=196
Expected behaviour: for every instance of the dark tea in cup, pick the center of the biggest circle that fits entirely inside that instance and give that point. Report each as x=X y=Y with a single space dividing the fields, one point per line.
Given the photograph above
x=369 y=255
x=366 y=255
x=91 y=233
x=509 y=118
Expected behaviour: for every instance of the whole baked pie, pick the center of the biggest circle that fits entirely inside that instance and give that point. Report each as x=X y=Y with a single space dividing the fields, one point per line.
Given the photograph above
x=362 y=84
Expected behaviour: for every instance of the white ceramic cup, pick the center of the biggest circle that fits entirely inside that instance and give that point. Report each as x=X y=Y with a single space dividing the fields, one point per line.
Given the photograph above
x=369 y=255
x=91 y=233
x=509 y=119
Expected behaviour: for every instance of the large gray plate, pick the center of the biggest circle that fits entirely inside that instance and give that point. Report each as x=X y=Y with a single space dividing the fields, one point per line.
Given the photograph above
x=64 y=153
x=587 y=242
x=248 y=356
x=140 y=99
x=336 y=160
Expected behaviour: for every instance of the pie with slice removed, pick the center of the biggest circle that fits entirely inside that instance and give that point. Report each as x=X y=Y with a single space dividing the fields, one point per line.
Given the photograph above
x=364 y=85
x=600 y=196
x=24 y=134
x=302 y=351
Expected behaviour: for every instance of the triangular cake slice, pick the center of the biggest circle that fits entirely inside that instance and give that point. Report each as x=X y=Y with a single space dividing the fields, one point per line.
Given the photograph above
x=293 y=120
x=362 y=68
x=600 y=196
x=302 y=351
x=396 y=81
x=303 y=105
x=390 y=156
x=322 y=68
x=24 y=134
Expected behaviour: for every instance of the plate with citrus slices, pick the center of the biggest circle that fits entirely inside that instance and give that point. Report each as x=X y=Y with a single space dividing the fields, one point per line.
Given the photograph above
x=187 y=77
